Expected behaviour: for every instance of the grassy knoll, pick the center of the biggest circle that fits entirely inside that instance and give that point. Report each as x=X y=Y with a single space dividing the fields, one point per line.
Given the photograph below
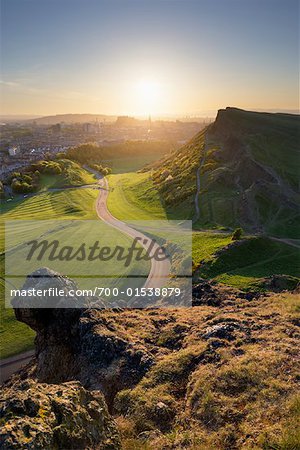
x=72 y=174
x=206 y=243
x=133 y=197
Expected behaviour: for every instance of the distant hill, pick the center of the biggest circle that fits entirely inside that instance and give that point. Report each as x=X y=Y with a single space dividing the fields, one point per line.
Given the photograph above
x=245 y=167
x=16 y=118
x=73 y=118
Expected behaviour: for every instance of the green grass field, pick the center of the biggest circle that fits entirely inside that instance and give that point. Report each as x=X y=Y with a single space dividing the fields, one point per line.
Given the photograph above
x=65 y=205
x=133 y=197
x=16 y=337
x=206 y=243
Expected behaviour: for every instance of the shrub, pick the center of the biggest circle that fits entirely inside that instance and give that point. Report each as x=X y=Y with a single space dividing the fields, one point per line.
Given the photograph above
x=27 y=179
x=20 y=187
x=237 y=234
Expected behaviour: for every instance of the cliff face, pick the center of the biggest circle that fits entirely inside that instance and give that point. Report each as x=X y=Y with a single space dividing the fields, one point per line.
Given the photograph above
x=238 y=121
x=220 y=375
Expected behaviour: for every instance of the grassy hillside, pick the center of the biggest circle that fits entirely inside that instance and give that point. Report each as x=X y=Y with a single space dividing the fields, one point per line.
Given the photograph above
x=246 y=263
x=247 y=166
x=175 y=175
x=70 y=204
x=135 y=196
x=15 y=336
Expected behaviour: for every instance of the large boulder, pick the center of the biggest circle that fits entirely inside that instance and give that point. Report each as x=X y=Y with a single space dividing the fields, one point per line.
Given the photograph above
x=48 y=416
x=75 y=343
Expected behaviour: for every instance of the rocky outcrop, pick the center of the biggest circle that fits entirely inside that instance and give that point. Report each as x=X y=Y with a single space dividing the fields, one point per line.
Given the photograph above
x=48 y=416
x=211 y=293
x=74 y=343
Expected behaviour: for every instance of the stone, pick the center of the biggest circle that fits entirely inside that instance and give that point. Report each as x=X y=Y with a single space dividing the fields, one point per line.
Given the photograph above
x=48 y=416
x=74 y=343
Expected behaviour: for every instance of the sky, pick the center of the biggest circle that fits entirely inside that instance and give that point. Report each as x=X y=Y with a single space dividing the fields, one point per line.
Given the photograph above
x=141 y=57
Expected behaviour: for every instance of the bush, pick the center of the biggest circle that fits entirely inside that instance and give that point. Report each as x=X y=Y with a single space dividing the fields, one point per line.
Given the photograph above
x=27 y=179
x=14 y=175
x=104 y=170
x=237 y=234
x=20 y=187
x=48 y=167
x=60 y=155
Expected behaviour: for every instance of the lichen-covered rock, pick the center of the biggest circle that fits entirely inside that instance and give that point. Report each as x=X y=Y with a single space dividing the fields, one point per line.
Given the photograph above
x=48 y=416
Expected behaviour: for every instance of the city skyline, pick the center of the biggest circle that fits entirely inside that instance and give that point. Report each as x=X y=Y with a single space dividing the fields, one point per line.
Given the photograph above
x=139 y=58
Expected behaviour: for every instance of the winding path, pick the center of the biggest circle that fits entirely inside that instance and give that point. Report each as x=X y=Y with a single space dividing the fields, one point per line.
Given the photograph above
x=160 y=270
x=202 y=161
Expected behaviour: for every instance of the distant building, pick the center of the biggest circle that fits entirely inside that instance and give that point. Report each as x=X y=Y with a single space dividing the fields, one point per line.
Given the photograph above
x=126 y=121
x=13 y=151
x=91 y=127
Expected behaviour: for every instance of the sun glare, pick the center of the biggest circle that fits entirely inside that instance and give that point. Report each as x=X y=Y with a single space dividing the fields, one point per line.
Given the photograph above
x=148 y=96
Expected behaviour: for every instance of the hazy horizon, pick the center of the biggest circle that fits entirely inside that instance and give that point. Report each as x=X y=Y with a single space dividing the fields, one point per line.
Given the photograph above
x=162 y=57
x=166 y=116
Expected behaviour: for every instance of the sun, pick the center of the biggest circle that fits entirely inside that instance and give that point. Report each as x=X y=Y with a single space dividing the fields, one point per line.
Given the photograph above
x=148 y=95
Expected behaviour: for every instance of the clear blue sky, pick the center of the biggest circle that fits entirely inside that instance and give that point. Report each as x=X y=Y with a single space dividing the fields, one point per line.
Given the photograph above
x=131 y=56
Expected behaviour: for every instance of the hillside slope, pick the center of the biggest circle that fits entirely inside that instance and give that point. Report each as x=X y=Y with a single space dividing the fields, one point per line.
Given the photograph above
x=245 y=168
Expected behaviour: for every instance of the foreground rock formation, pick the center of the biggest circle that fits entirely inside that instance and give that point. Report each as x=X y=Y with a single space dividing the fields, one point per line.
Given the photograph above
x=222 y=375
x=49 y=416
x=81 y=344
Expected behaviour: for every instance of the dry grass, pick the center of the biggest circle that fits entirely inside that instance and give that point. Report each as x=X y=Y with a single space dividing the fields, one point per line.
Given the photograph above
x=214 y=392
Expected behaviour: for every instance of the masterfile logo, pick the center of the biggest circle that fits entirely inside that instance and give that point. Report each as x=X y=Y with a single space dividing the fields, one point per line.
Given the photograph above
x=75 y=260
x=55 y=250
